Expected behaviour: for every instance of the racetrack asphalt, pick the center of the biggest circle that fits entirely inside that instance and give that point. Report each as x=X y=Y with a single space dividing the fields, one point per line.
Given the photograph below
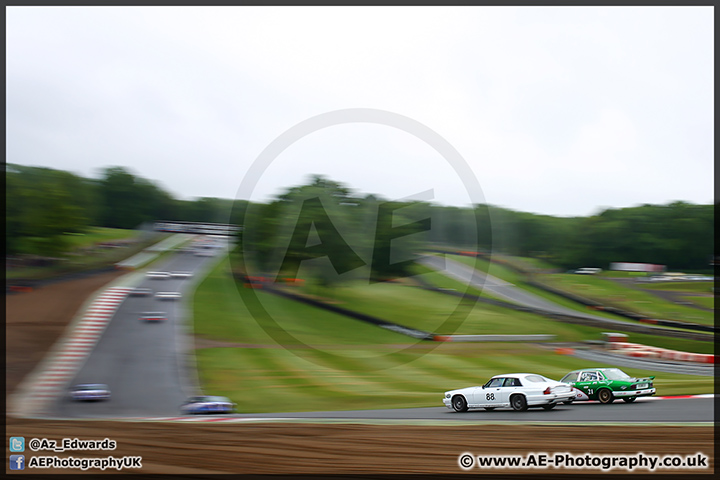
x=143 y=363
x=643 y=410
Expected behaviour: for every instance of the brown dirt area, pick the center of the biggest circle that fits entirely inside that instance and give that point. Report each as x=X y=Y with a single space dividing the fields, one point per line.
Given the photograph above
x=187 y=449
x=36 y=319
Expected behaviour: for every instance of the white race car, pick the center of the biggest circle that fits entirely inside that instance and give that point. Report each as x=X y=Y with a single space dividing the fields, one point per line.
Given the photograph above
x=181 y=274
x=157 y=275
x=140 y=292
x=516 y=390
x=168 y=295
x=208 y=404
x=90 y=392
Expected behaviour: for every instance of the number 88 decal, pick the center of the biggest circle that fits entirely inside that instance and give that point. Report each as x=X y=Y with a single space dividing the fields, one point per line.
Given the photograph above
x=489 y=396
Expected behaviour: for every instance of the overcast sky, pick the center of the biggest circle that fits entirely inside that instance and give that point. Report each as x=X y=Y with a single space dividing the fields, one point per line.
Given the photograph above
x=557 y=110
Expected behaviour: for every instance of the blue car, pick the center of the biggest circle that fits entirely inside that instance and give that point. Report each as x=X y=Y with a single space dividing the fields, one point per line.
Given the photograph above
x=90 y=392
x=207 y=404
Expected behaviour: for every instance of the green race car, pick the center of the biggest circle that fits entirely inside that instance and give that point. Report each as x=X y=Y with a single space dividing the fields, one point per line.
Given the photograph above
x=607 y=384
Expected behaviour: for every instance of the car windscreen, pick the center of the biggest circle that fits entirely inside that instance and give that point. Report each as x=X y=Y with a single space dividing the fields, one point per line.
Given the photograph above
x=616 y=374
x=217 y=399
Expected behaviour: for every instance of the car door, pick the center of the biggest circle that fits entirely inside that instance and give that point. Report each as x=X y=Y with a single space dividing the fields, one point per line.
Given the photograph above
x=572 y=380
x=491 y=395
x=587 y=383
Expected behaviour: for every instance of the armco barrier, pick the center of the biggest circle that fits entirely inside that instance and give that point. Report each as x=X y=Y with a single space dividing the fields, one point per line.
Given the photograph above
x=411 y=332
x=259 y=282
x=493 y=338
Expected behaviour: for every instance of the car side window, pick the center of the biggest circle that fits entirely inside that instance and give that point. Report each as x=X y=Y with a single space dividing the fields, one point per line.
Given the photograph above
x=512 y=382
x=495 y=382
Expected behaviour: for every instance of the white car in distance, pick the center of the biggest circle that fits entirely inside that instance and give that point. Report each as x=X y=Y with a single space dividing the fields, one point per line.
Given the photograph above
x=181 y=274
x=168 y=295
x=90 y=392
x=516 y=390
x=157 y=275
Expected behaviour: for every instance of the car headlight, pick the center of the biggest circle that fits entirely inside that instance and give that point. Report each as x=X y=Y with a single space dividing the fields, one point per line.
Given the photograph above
x=447 y=395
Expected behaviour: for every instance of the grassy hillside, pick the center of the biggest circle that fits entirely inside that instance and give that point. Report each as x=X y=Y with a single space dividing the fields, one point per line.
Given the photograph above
x=335 y=363
x=608 y=292
x=605 y=291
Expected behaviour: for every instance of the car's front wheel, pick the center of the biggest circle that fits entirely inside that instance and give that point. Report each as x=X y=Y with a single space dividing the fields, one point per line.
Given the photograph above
x=629 y=399
x=459 y=403
x=518 y=403
x=605 y=396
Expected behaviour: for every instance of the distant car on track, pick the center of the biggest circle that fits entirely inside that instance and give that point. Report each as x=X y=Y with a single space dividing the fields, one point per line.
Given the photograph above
x=587 y=271
x=158 y=275
x=153 y=317
x=607 y=384
x=699 y=278
x=140 y=292
x=517 y=390
x=168 y=295
x=181 y=274
x=207 y=404
x=90 y=392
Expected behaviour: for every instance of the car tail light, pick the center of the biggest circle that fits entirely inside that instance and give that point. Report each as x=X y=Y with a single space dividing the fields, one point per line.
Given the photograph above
x=547 y=391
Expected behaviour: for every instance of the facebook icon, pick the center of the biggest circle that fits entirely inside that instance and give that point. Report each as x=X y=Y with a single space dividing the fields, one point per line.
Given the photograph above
x=17 y=462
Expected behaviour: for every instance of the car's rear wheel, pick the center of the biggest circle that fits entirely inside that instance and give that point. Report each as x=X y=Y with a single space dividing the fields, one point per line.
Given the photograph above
x=518 y=403
x=490 y=409
x=549 y=406
x=605 y=396
x=629 y=399
x=459 y=403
